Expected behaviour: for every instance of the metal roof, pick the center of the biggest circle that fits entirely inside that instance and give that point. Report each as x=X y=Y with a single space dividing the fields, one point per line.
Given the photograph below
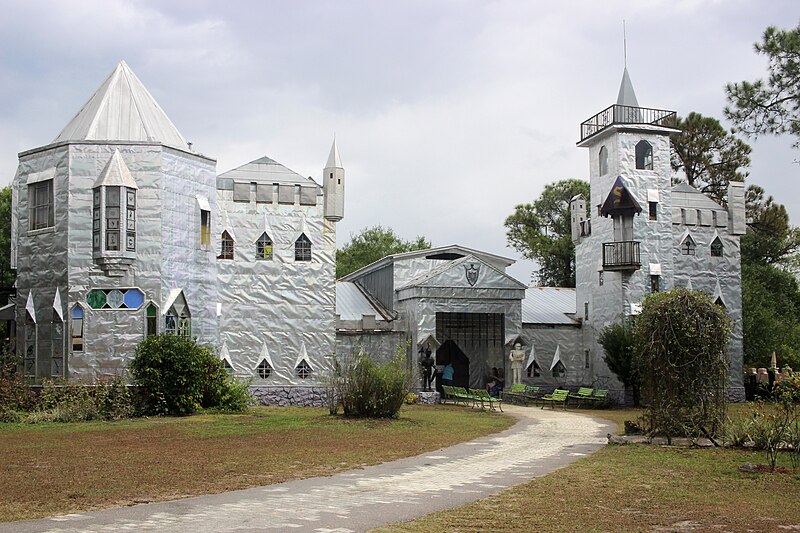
x=548 y=305
x=686 y=196
x=265 y=170
x=352 y=304
x=122 y=109
x=626 y=96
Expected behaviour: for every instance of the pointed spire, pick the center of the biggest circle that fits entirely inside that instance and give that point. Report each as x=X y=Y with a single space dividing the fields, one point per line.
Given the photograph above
x=116 y=173
x=626 y=95
x=334 y=161
x=122 y=109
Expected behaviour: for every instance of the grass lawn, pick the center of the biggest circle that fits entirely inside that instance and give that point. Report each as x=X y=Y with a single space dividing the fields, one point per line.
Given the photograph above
x=637 y=488
x=49 y=469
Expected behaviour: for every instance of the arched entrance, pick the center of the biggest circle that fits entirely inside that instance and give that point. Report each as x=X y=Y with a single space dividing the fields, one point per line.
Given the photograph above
x=449 y=352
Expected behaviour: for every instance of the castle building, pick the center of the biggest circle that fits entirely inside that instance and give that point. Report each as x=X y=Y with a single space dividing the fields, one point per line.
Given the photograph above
x=121 y=230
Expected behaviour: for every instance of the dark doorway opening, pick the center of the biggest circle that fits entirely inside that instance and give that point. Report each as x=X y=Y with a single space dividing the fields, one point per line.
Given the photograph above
x=450 y=353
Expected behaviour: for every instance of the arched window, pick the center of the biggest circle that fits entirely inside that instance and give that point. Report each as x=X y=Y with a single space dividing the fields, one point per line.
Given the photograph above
x=719 y=302
x=688 y=246
x=77 y=328
x=178 y=320
x=225 y=246
x=303 y=369
x=264 y=247
x=302 y=248
x=644 y=156
x=264 y=369
x=151 y=320
x=603 y=160
x=716 y=247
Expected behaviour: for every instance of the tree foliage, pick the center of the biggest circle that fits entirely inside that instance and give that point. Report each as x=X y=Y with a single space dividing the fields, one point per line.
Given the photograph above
x=770 y=238
x=708 y=156
x=371 y=245
x=771 y=105
x=7 y=276
x=683 y=337
x=541 y=231
x=620 y=355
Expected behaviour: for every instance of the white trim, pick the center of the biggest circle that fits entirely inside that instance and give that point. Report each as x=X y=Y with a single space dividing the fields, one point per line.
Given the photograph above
x=58 y=306
x=531 y=356
x=44 y=175
x=303 y=356
x=30 y=307
x=652 y=195
x=202 y=202
x=557 y=358
x=655 y=269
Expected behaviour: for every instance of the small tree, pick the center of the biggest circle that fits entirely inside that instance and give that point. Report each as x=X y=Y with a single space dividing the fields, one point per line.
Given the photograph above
x=178 y=376
x=682 y=337
x=620 y=355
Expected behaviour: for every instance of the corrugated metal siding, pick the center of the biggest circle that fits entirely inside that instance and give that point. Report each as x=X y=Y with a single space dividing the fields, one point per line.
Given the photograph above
x=380 y=284
x=548 y=305
x=351 y=304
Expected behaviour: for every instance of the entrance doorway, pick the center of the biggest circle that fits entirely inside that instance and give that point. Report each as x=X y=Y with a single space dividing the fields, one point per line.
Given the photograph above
x=450 y=353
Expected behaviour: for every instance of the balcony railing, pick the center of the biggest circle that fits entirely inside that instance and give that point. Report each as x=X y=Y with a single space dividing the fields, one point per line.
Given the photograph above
x=622 y=114
x=623 y=255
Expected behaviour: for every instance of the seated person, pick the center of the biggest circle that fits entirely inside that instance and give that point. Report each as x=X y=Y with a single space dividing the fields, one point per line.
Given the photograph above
x=496 y=382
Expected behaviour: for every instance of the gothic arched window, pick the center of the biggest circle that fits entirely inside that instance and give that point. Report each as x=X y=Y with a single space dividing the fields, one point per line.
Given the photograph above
x=225 y=246
x=302 y=248
x=716 y=248
x=264 y=247
x=603 y=160
x=688 y=246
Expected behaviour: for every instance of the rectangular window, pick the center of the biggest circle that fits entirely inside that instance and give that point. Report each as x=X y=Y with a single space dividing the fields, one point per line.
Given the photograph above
x=600 y=279
x=112 y=218
x=57 y=365
x=130 y=221
x=586 y=358
x=40 y=205
x=653 y=210
x=586 y=310
x=205 y=229
x=654 y=283
x=96 y=220
x=241 y=192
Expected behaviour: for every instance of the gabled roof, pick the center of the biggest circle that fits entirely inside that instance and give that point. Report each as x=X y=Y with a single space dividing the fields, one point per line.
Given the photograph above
x=122 y=109
x=620 y=200
x=452 y=274
x=451 y=252
x=116 y=173
x=265 y=170
x=686 y=196
x=626 y=96
x=352 y=303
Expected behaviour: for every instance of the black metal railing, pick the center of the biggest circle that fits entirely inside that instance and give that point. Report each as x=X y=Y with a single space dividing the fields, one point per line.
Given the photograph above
x=622 y=255
x=622 y=114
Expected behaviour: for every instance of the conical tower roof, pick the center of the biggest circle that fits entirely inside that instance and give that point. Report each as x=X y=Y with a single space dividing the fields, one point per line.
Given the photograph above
x=122 y=109
x=626 y=95
x=334 y=161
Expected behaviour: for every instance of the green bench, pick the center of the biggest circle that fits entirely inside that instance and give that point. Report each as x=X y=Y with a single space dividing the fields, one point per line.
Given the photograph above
x=557 y=396
x=520 y=391
x=584 y=394
x=483 y=396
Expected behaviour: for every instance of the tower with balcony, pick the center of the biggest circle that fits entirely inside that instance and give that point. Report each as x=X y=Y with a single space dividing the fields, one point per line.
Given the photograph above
x=624 y=242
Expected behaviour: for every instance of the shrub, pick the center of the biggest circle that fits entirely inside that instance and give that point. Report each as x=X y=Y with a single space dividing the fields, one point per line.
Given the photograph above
x=178 y=376
x=15 y=394
x=769 y=432
x=62 y=401
x=367 y=389
x=682 y=337
x=737 y=431
x=620 y=355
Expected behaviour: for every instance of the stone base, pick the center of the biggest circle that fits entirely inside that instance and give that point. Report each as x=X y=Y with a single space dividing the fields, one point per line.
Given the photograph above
x=294 y=396
x=427 y=397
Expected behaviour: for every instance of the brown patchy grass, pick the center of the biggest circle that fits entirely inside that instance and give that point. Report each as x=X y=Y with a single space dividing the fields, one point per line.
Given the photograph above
x=53 y=469
x=636 y=488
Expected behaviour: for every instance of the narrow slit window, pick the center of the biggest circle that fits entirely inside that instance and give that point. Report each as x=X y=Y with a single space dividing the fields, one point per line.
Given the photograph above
x=264 y=248
x=586 y=358
x=205 y=229
x=225 y=246
x=57 y=337
x=655 y=283
x=603 y=160
x=112 y=218
x=77 y=328
x=600 y=278
x=302 y=248
x=130 y=219
x=151 y=320
x=29 y=360
x=653 y=209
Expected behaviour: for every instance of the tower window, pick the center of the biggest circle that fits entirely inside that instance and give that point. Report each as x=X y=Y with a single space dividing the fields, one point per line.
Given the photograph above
x=112 y=218
x=151 y=320
x=40 y=205
x=586 y=358
x=716 y=248
x=586 y=310
x=688 y=246
x=225 y=246
x=302 y=248
x=600 y=278
x=644 y=155
x=603 y=160
x=655 y=283
x=205 y=229
x=653 y=207
x=264 y=247
x=77 y=328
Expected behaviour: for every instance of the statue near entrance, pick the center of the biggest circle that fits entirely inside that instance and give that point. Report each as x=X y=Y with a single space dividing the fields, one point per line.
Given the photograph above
x=426 y=362
x=517 y=357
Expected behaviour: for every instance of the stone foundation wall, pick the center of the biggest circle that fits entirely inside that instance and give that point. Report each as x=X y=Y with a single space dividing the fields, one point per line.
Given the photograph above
x=295 y=396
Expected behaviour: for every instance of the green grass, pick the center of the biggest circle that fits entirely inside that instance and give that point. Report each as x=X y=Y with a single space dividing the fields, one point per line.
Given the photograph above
x=48 y=469
x=637 y=488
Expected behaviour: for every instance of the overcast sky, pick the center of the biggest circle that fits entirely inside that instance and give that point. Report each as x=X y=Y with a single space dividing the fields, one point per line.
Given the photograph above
x=446 y=113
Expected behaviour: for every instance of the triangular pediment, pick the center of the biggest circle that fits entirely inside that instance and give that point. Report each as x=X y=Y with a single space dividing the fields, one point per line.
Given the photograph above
x=265 y=170
x=620 y=201
x=465 y=272
x=122 y=109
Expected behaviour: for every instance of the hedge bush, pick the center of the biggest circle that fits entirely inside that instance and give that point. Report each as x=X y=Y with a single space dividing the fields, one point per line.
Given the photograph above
x=178 y=376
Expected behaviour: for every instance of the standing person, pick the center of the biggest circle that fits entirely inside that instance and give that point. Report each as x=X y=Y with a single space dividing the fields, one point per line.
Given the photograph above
x=427 y=368
x=517 y=357
x=447 y=374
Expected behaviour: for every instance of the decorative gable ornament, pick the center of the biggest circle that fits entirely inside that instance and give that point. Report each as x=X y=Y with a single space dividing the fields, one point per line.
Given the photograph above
x=620 y=201
x=472 y=271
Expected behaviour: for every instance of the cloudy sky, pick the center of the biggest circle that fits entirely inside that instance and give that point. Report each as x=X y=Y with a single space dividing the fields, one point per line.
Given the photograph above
x=447 y=113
